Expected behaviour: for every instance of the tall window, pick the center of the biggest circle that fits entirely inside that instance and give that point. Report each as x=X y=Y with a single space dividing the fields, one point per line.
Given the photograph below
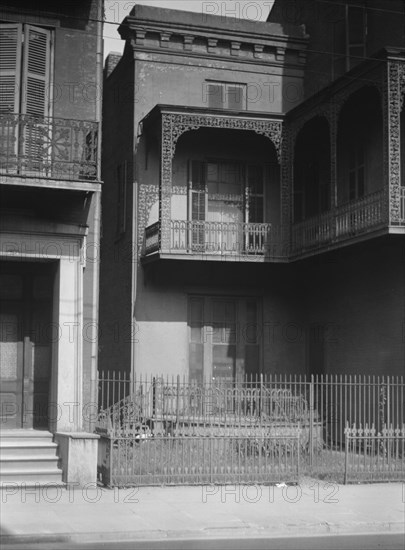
x=25 y=53
x=356 y=31
x=349 y=39
x=24 y=69
x=229 y=193
x=225 y=95
x=224 y=338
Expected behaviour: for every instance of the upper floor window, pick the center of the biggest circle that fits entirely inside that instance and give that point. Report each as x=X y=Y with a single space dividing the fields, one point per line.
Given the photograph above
x=349 y=39
x=25 y=69
x=225 y=95
x=356 y=30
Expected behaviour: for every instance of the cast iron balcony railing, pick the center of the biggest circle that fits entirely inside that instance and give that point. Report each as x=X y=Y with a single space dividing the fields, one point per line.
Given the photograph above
x=352 y=220
x=218 y=238
x=48 y=147
x=347 y=221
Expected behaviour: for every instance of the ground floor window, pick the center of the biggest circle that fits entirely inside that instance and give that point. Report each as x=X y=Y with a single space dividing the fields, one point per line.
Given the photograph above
x=223 y=338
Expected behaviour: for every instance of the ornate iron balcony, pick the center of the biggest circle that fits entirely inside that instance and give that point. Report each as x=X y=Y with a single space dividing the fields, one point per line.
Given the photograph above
x=349 y=220
x=217 y=238
x=48 y=147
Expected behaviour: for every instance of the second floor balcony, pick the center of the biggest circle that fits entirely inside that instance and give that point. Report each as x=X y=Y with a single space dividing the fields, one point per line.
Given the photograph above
x=48 y=148
x=354 y=221
x=218 y=240
x=257 y=187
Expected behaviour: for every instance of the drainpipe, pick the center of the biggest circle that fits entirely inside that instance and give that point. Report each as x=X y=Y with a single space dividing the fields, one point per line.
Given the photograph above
x=97 y=224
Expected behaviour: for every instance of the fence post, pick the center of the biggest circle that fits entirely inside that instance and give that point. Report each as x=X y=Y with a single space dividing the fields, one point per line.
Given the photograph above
x=388 y=402
x=177 y=399
x=346 y=454
x=311 y=421
x=261 y=396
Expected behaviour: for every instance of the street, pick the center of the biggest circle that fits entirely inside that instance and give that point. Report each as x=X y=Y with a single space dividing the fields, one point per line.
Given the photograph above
x=384 y=541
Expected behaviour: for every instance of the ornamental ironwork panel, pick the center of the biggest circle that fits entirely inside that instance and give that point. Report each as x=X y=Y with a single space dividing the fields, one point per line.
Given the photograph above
x=48 y=147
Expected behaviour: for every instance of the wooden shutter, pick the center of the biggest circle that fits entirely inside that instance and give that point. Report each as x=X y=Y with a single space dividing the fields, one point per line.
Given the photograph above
x=236 y=98
x=198 y=198
x=251 y=339
x=10 y=67
x=215 y=96
x=196 y=339
x=35 y=99
x=36 y=71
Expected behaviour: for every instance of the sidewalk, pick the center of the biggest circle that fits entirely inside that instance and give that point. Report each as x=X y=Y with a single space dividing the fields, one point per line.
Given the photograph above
x=94 y=513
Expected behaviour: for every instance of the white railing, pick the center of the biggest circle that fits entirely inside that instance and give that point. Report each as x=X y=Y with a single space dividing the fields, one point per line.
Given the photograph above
x=219 y=237
x=360 y=215
x=316 y=231
x=262 y=239
x=346 y=221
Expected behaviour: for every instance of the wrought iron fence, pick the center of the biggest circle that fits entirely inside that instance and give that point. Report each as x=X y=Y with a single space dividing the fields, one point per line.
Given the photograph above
x=374 y=456
x=48 y=147
x=259 y=408
x=162 y=459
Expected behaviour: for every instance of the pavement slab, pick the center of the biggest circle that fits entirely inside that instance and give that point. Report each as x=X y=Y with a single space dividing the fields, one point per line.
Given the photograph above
x=95 y=513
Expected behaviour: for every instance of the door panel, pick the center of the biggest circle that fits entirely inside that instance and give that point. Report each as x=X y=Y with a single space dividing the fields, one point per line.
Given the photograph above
x=11 y=369
x=25 y=345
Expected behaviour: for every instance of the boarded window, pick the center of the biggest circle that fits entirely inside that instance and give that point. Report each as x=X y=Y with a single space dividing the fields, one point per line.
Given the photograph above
x=225 y=95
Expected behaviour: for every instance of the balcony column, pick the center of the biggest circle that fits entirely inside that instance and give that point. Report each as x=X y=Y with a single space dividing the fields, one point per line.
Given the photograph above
x=333 y=116
x=392 y=139
x=165 y=187
x=286 y=169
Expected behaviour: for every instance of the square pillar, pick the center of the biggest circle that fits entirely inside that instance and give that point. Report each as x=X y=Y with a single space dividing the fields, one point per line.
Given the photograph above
x=78 y=456
x=392 y=131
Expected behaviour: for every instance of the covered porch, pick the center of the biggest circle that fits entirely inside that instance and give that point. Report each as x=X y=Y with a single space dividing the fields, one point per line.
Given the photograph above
x=219 y=191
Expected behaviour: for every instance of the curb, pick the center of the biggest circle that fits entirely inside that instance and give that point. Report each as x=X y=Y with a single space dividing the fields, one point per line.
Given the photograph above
x=248 y=531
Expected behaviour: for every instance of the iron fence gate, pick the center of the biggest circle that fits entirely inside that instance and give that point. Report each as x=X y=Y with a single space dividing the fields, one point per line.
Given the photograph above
x=158 y=430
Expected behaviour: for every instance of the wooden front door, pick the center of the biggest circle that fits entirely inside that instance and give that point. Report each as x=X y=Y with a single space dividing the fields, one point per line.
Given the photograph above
x=26 y=334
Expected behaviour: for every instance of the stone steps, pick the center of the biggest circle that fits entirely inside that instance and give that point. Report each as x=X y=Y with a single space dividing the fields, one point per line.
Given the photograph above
x=28 y=458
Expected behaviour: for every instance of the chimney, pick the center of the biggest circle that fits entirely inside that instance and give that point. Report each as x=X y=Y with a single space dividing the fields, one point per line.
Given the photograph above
x=111 y=62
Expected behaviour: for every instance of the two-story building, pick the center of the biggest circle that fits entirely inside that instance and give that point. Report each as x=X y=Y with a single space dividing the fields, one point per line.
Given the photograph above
x=50 y=131
x=254 y=207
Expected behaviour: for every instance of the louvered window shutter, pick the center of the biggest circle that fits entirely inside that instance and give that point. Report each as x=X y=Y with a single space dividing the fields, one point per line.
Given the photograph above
x=36 y=70
x=198 y=199
x=10 y=67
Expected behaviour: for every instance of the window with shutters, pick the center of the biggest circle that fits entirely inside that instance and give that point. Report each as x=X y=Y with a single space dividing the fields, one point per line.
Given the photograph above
x=226 y=194
x=24 y=69
x=25 y=63
x=225 y=95
x=349 y=39
x=224 y=338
